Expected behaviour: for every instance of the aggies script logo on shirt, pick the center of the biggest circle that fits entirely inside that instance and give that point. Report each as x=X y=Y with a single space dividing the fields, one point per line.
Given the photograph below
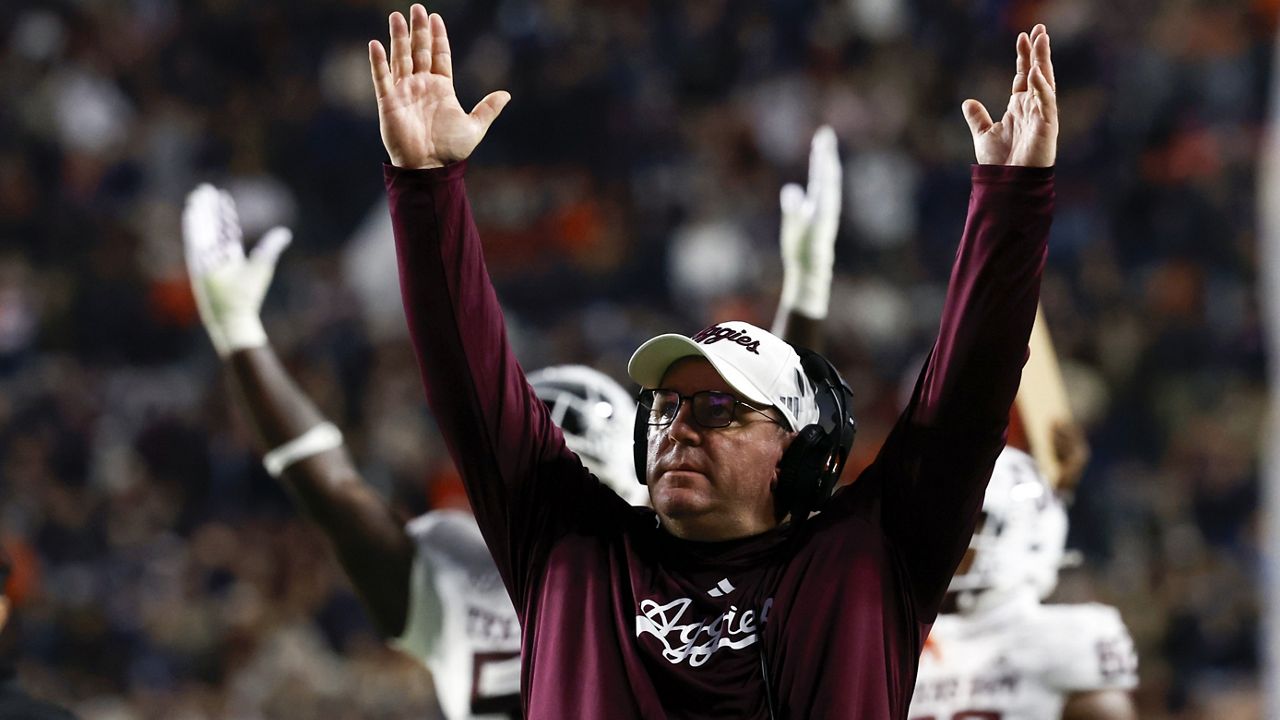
x=696 y=640
x=715 y=333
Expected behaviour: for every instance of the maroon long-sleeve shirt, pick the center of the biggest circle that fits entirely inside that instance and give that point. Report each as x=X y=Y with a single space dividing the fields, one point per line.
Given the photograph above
x=623 y=620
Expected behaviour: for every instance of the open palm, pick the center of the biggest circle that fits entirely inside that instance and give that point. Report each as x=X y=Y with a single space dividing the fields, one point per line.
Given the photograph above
x=1027 y=134
x=422 y=123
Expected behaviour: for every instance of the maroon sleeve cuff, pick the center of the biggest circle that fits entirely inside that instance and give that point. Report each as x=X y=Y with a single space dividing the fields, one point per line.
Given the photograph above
x=428 y=176
x=987 y=174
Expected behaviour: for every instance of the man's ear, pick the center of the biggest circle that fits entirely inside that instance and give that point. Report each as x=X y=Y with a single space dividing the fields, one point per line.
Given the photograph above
x=4 y=611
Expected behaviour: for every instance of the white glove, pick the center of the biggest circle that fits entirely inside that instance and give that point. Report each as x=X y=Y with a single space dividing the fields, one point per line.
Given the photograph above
x=228 y=286
x=810 y=220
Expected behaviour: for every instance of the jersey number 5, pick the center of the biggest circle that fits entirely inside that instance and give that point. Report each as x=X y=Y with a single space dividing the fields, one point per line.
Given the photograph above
x=495 y=684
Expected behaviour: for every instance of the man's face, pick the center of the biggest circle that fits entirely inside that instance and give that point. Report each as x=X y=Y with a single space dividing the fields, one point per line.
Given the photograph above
x=713 y=484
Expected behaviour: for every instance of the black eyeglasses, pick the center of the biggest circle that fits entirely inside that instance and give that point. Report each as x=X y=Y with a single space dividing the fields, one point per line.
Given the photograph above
x=711 y=409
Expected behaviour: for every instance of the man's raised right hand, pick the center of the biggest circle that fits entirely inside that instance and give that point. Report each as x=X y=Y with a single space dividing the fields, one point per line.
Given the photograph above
x=422 y=124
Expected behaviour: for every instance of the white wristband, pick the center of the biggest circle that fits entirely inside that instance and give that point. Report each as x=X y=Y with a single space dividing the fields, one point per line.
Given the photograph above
x=324 y=436
x=242 y=333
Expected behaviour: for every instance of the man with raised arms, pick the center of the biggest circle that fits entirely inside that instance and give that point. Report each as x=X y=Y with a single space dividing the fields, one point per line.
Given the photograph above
x=721 y=601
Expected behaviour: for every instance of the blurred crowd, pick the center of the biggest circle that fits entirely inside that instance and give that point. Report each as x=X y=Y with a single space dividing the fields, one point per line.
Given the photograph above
x=631 y=187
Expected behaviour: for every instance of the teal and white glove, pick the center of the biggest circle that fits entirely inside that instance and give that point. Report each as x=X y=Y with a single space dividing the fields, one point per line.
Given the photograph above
x=228 y=286
x=810 y=221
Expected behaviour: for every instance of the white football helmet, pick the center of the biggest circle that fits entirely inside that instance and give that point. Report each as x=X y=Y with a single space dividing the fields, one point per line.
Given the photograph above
x=597 y=417
x=1021 y=539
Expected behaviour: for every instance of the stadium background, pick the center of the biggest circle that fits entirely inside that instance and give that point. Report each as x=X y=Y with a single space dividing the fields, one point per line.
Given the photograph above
x=630 y=187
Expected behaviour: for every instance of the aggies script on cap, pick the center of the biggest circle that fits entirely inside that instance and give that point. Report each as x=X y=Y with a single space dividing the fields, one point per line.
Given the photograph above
x=715 y=333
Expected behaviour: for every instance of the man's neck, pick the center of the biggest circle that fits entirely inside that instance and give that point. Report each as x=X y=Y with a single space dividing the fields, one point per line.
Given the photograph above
x=698 y=530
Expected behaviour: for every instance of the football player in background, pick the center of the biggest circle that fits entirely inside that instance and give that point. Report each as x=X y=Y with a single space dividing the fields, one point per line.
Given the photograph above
x=431 y=585
x=997 y=652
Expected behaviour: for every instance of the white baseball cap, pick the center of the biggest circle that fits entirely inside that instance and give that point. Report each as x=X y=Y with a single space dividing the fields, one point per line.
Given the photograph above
x=759 y=365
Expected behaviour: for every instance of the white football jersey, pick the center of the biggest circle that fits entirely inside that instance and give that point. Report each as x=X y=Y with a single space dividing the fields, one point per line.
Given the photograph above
x=461 y=623
x=1019 y=660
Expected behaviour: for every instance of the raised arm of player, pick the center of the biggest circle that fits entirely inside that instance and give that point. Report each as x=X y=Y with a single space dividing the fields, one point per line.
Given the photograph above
x=229 y=286
x=810 y=222
x=525 y=486
x=933 y=468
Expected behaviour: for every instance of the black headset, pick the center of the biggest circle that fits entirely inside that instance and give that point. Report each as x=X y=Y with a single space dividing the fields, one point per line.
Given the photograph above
x=811 y=465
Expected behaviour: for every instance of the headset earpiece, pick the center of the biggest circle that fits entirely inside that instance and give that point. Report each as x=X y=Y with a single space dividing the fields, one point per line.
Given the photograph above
x=811 y=466
x=801 y=472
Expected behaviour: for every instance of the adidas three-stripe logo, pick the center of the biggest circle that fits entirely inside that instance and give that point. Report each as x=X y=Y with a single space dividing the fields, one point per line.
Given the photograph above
x=722 y=588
